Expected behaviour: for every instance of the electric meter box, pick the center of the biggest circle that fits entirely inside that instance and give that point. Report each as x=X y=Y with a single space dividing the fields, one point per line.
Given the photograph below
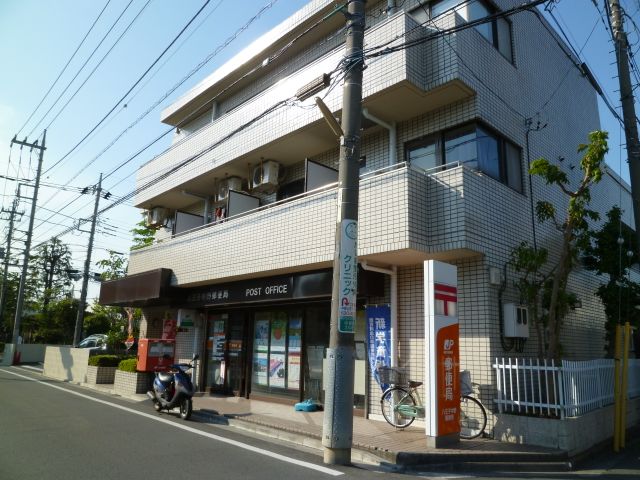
x=516 y=320
x=155 y=353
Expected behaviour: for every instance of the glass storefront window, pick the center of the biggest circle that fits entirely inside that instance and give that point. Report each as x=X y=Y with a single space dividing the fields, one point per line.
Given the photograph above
x=277 y=353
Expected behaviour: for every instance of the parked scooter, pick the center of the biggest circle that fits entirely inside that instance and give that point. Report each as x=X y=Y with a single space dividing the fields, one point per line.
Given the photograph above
x=173 y=388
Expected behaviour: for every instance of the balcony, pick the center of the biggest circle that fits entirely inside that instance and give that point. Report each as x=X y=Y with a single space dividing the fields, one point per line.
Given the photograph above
x=397 y=86
x=406 y=217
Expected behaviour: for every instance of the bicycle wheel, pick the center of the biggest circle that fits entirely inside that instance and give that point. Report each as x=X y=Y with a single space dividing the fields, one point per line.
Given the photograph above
x=473 y=418
x=398 y=407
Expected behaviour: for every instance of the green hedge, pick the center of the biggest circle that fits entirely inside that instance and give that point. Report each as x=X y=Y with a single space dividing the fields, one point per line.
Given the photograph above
x=105 y=360
x=128 y=365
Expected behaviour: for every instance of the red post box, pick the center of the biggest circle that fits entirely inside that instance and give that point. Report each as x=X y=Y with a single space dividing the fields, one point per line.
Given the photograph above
x=155 y=353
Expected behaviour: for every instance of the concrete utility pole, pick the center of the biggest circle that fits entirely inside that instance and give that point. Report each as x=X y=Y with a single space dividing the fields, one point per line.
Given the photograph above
x=5 y=273
x=27 y=247
x=337 y=431
x=77 y=335
x=628 y=109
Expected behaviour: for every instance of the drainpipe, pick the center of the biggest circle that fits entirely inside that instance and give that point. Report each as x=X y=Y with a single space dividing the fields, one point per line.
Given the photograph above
x=391 y=7
x=393 y=273
x=393 y=134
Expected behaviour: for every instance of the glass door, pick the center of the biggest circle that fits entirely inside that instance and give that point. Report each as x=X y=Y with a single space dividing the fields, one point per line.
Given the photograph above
x=277 y=349
x=215 y=361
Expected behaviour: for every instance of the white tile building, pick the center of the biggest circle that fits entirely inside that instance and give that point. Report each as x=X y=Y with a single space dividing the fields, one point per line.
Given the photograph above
x=485 y=100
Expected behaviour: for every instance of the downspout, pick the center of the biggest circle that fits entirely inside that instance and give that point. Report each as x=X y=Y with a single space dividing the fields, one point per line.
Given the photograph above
x=393 y=134
x=393 y=273
x=391 y=7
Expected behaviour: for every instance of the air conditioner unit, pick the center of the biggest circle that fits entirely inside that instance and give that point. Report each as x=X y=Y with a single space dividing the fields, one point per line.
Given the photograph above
x=265 y=176
x=230 y=183
x=156 y=217
x=516 y=321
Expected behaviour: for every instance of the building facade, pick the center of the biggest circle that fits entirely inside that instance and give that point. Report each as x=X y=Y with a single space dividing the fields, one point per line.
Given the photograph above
x=245 y=198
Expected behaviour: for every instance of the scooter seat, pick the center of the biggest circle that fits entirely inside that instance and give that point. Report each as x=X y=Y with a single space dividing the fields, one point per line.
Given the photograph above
x=165 y=377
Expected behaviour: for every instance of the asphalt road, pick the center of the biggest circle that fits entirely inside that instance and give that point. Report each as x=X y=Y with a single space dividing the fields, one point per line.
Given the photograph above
x=53 y=430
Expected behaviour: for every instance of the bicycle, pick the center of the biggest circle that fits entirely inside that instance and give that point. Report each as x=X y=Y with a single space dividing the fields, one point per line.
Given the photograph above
x=400 y=407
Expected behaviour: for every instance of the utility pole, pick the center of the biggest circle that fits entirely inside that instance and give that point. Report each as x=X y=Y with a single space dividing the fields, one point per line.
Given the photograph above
x=27 y=248
x=5 y=273
x=87 y=265
x=337 y=429
x=628 y=109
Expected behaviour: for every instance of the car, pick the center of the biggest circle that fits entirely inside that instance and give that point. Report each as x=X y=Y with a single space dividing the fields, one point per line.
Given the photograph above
x=97 y=342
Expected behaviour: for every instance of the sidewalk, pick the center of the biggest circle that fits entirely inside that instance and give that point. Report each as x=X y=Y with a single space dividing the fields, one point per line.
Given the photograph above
x=374 y=441
x=377 y=441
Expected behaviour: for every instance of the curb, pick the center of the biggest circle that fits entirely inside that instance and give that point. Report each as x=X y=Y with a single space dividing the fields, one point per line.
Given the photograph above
x=306 y=439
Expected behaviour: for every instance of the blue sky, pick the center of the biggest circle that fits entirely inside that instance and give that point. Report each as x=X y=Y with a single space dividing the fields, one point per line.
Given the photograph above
x=37 y=37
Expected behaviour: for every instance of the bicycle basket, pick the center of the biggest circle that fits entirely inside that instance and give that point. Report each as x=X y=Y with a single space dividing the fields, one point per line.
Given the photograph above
x=392 y=375
x=465 y=383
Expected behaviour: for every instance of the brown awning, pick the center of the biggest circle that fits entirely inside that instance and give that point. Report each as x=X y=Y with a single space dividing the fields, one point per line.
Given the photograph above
x=142 y=289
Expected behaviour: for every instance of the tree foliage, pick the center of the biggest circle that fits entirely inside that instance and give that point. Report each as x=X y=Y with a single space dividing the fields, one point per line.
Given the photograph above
x=612 y=252
x=543 y=284
x=49 y=271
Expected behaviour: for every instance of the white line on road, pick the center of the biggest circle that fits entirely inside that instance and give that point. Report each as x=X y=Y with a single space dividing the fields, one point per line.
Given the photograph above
x=235 y=443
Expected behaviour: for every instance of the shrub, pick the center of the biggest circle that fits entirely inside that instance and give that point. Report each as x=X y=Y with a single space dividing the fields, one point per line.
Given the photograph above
x=104 y=360
x=128 y=365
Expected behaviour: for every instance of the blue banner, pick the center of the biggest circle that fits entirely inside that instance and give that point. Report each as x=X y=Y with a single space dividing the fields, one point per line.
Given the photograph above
x=379 y=337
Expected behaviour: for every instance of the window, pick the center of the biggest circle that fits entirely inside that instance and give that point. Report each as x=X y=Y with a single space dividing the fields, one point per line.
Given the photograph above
x=422 y=154
x=474 y=146
x=497 y=31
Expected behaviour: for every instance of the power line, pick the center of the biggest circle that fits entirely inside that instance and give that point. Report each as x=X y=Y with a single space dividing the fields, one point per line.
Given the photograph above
x=65 y=67
x=82 y=67
x=187 y=119
x=124 y=32
x=131 y=88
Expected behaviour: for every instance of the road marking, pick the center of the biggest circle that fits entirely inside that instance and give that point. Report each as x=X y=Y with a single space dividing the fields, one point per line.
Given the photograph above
x=212 y=436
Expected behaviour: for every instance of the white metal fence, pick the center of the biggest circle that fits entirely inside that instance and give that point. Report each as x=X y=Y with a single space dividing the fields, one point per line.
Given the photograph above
x=571 y=389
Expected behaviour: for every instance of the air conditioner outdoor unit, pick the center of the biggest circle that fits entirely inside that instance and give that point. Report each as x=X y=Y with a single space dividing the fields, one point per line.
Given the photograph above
x=265 y=176
x=230 y=183
x=157 y=216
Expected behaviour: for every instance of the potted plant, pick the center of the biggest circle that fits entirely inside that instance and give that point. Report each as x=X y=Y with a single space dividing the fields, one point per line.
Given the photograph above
x=129 y=381
x=102 y=369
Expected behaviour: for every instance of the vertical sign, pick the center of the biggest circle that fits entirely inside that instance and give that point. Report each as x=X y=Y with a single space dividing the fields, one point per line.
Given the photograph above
x=348 y=276
x=379 y=337
x=443 y=359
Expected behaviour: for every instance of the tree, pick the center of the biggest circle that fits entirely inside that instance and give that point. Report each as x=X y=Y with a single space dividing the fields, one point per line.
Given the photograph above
x=546 y=285
x=117 y=319
x=113 y=267
x=49 y=268
x=612 y=252
x=143 y=235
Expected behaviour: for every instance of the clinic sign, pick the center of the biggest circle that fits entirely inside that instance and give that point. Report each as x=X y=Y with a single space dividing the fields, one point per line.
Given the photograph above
x=348 y=281
x=443 y=359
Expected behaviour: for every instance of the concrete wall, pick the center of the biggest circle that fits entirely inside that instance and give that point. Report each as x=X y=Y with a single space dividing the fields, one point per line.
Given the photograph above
x=66 y=363
x=31 y=353
x=574 y=435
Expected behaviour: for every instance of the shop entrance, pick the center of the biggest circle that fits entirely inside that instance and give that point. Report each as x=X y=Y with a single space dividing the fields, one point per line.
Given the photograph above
x=225 y=358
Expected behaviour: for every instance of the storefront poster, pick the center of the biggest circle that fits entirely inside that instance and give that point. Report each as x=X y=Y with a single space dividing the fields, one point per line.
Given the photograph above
x=169 y=327
x=293 y=380
x=379 y=338
x=278 y=334
x=277 y=370
x=218 y=340
x=260 y=368
x=295 y=334
x=261 y=342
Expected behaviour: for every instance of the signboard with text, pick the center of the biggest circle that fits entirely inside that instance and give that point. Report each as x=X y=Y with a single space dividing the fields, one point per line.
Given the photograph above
x=443 y=359
x=379 y=338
